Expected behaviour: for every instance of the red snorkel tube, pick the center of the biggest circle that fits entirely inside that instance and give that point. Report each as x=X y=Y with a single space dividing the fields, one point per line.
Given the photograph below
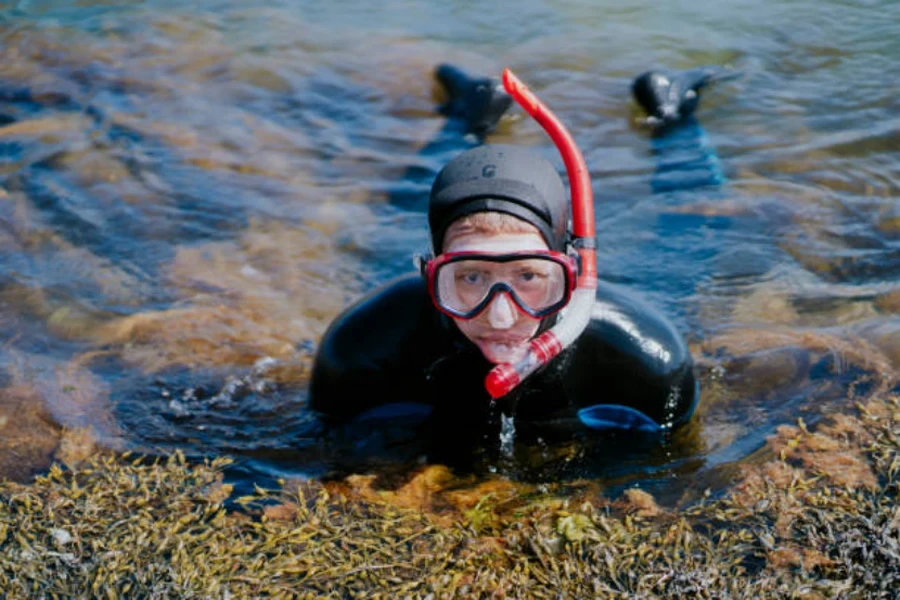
x=505 y=377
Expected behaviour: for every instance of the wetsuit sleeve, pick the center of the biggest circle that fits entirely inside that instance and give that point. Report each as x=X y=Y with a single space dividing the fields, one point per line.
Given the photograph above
x=631 y=356
x=372 y=354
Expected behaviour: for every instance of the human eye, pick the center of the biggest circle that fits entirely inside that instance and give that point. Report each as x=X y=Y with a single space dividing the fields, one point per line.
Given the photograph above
x=470 y=277
x=532 y=274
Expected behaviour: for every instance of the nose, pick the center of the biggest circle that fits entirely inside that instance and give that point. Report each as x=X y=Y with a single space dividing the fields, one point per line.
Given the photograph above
x=501 y=312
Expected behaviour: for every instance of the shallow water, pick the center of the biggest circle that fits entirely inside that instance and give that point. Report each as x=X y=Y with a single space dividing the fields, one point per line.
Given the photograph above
x=188 y=196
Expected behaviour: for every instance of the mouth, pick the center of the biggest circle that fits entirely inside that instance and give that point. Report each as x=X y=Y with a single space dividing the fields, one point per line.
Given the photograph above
x=503 y=339
x=503 y=349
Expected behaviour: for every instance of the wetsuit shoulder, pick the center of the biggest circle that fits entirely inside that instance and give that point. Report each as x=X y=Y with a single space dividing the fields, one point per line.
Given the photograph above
x=631 y=355
x=373 y=352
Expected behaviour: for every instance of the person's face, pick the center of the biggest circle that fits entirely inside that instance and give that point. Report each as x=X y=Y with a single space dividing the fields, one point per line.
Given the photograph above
x=500 y=331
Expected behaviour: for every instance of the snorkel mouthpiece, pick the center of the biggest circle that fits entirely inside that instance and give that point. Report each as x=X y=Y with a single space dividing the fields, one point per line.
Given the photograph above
x=505 y=377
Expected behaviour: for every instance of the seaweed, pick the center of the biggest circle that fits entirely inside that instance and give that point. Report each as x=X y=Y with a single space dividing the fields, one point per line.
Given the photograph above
x=818 y=520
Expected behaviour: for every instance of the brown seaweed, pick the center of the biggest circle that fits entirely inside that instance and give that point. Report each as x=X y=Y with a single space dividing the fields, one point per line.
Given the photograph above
x=819 y=520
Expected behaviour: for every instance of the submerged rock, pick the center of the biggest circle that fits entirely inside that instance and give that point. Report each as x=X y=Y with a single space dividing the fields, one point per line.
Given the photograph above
x=28 y=435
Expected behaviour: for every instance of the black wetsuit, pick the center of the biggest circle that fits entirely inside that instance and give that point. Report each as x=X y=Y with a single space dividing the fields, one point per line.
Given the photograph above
x=394 y=347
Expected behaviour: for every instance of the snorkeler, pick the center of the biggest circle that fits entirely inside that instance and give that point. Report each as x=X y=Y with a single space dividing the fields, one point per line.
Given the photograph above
x=507 y=319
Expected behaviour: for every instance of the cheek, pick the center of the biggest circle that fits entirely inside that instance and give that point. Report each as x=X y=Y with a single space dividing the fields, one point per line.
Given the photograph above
x=467 y=327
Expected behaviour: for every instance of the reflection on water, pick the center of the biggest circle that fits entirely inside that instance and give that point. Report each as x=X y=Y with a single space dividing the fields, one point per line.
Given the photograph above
x=188 y=196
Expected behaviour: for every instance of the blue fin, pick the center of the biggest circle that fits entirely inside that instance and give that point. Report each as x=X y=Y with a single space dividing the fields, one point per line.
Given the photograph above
x=616 y=416
x=685 y=158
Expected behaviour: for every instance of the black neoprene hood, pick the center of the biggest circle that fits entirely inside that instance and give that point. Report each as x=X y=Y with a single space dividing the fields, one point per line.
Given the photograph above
x=505 y=179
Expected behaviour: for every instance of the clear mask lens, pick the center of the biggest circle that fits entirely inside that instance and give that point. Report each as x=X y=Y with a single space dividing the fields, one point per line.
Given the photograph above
x=537 y=285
